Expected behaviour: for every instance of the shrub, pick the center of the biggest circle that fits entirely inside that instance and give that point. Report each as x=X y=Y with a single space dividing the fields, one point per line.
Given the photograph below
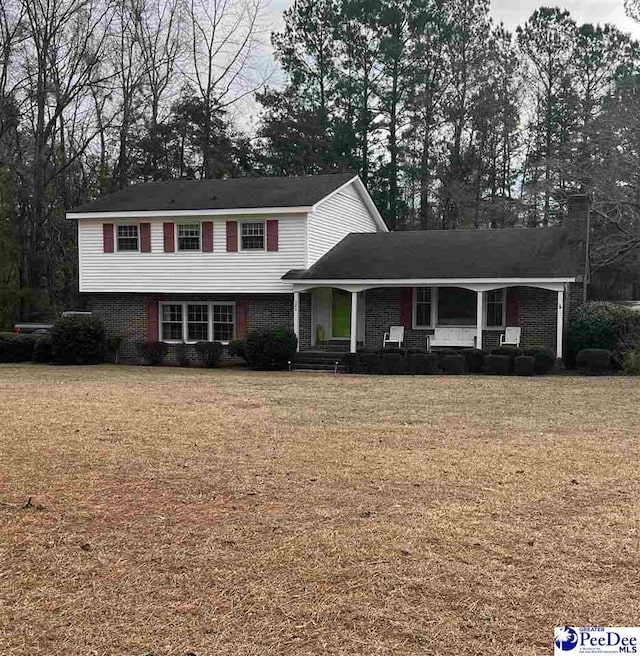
x=423 y=363
x=453 y=364
x=371 y=361
x=17 y=348
x=632 y=361
x=441 y=354
x=351 y=362
x=209 y=353
x=393 y=362
x=78 y=340
x=236 y=349
x=270 y=350
x=182 y=354
x=544 y=358
x=594 y=362
x=497 y=364
x=601 y=325
x=43 y=351
x=153 y=353
x=512 y=352
x=473 y=359
x=524 y=365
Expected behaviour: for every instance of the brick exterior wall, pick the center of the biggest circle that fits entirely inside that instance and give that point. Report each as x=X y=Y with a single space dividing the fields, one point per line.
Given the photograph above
x=126 y=315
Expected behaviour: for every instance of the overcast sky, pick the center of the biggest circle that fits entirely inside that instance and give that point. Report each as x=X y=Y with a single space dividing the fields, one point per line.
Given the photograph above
x=514 y=12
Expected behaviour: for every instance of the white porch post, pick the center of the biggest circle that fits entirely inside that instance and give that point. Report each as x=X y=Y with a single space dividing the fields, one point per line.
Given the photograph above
x=354 y=321
x=479 y=313
x=296 y=316
x=560 y=324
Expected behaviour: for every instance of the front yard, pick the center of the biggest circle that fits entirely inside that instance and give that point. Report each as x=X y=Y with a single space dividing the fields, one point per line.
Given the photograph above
x=178 y=511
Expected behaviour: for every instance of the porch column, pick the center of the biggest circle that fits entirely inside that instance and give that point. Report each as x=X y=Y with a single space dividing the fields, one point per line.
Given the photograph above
x=479 y=313
x=560 y=324
x=354 y=321
x=296 y=316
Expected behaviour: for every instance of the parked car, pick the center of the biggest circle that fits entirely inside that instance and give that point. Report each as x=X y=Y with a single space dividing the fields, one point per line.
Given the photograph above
x=32 y=328
x=45 y=328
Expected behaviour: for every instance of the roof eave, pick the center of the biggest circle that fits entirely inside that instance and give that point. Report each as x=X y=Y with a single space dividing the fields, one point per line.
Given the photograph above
x=151 y=214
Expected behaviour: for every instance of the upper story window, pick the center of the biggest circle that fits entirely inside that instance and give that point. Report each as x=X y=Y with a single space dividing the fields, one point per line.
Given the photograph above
x=252 y=236
x=423 y=307
x=189 y=237
x=495 y=308
x=127 y=237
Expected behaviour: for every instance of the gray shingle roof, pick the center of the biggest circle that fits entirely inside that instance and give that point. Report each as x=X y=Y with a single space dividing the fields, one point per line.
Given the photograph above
x=505 y=253
x=235 y=193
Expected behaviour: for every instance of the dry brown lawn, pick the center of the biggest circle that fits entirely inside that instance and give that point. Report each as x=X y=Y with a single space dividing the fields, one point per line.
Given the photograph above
x=233 y=513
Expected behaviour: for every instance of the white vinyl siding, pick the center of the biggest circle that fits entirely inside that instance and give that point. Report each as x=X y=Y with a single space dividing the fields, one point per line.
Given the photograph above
x=334 y=219
x=188 y=272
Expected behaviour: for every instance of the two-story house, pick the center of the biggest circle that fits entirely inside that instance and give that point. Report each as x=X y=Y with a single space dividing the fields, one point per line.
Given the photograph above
x=187 y=261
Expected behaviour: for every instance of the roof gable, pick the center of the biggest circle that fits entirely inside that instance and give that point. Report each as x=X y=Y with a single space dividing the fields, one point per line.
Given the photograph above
x=234 y=193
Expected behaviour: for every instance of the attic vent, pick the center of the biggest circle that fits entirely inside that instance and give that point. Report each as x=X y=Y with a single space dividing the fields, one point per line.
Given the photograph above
x=214 y=197
x=173 y=200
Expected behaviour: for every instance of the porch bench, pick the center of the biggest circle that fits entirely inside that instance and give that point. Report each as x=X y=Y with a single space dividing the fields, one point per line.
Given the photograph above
x=449 y=337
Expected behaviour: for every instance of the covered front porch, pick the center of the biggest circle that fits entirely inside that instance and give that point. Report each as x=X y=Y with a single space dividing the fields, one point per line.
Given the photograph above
x=356 y=313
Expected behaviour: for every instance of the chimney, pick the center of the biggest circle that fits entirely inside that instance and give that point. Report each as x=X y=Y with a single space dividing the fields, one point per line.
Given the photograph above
x=578 y=225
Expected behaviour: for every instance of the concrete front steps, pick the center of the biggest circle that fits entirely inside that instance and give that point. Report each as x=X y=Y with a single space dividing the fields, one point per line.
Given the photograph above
x=320 y=360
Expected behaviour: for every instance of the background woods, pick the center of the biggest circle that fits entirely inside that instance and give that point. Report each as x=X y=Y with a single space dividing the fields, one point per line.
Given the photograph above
x=449 y=119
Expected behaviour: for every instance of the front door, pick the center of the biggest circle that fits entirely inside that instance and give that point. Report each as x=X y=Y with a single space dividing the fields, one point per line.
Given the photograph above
x=341 y=314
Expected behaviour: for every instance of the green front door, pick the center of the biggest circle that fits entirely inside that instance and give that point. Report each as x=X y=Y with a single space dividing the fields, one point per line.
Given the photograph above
x=341 y=314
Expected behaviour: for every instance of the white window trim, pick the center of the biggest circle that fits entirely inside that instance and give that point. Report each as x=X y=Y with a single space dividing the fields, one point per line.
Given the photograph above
x=504 y=311
x=177 y=238
x=434 y=311
x=185 y=322
x=264 y=236
x=115 y=237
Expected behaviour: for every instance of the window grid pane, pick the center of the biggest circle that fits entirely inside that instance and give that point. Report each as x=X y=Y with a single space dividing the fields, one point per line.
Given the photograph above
x=172 y=322
x=253 y=236
x=223 y=327
x=423 y=306
x=495 y=307
x=189 y=237
x=127 y=237
x=197 y=323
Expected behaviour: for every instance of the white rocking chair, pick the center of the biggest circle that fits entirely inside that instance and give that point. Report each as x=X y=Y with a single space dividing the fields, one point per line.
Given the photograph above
x=511 y=337
x=394 y=336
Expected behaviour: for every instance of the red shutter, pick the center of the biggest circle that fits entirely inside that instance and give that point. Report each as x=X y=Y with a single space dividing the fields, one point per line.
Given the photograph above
x=272 y=235
x=169 y=237
x=511 y=312
x=152 y=321
x=145 y=238
x=207 y=236
x=406 y=307
x=241 y=319
x=232 y=236
x=107 y=237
